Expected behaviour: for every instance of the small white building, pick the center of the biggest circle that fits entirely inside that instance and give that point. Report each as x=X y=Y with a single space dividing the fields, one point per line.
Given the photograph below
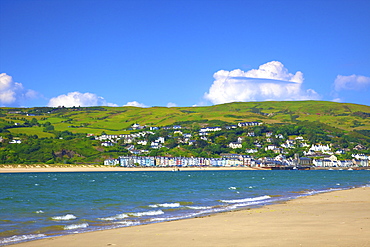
x=320 y=148
x=235 y=145
x=210 y=129
x=143 y=142
x=15 y=141
x=107 y=144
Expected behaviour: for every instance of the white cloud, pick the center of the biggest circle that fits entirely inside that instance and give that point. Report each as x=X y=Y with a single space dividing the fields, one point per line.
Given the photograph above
x=135 y=103
x=271 y=81
x=338 y=100
x=78 y=99
x=170 y=104
x=13 y=93
x=351 y=82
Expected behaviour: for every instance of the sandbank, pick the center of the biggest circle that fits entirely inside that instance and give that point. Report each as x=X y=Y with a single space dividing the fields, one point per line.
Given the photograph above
x=339 y=218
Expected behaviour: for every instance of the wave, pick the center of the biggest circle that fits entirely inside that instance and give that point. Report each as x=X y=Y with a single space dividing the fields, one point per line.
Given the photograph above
x=128 y=223
x=199 y=207
x=166 y=205
x=21 y=238
x=76 y=226
x=259 y=198
x=313 y=192
x=116 y=217
x=65 y=217
x=205 y=211
x=148 y=213
x=170 y=218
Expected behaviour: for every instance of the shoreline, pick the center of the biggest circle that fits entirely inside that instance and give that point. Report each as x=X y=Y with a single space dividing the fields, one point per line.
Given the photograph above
x=336 y=218
x=116 y=169
x=86 y=168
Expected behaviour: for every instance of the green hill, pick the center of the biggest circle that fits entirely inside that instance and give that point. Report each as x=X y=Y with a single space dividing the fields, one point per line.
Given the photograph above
x=114 y=120
x=66 y=124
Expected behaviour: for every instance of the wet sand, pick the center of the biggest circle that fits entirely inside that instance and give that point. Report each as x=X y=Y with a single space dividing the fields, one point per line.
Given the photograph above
x=339 y=218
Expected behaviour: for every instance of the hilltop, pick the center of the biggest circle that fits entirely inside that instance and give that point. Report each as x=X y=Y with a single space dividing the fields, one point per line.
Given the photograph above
x=61 y=132
x=114 y=120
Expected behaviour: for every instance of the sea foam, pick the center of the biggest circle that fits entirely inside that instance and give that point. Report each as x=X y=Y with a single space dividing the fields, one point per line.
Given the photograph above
x=65 y=217
x=128 y=223
x=199 y=207
x=148 y=213
x=21 y=238
x=116 y=217
x=76 y=226
x=166 y=205
x=259 y=198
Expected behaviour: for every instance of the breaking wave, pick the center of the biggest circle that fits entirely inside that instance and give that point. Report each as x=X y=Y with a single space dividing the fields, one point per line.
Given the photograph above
x=253 y=199
x=21 y=238
x=76 y=226
x=65 y=217
x=148 y=213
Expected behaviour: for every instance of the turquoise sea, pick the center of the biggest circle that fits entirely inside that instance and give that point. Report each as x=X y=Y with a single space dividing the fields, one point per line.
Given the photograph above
x=42 y=205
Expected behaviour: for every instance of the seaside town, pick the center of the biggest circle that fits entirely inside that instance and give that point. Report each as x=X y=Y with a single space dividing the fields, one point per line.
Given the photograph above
x=267 y=150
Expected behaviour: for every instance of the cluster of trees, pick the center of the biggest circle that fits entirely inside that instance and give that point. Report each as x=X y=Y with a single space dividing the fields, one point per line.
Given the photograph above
x=65 y=147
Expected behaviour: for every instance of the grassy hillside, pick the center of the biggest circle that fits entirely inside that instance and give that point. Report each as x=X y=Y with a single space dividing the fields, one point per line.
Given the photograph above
x=58 y=135
x=114 y=120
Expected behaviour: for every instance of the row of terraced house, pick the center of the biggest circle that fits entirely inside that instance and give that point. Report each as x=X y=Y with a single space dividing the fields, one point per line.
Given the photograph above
x=233 y=160
x=132 y=161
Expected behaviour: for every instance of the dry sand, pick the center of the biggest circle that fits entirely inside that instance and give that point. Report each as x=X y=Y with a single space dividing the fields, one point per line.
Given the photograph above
x=339 y=218
x=108 y=168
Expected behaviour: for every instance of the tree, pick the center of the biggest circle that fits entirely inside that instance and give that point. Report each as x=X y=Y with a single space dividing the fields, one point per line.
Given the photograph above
x=248 y=143
x=34 y=122
x=201 y=143
x=171 y=143
x=221 y=140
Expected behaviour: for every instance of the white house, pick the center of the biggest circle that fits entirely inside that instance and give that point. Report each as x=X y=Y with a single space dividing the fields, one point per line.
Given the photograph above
x=360 y=157
x=270 y=147
x=210 y=129
x=234 y=145
x=288 y=144
x=268 y=134
x=143 y=142
x=320 y=148
x=245 y=124
x=107 y=144
x=15 y=141
x=280 y=136
x=251 y=134
x=111 y=162
x=160 y=140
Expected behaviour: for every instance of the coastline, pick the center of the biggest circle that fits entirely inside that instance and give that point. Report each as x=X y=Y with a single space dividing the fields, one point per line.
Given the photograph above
x=20 y=169
x=86 y=168
x=337 y=218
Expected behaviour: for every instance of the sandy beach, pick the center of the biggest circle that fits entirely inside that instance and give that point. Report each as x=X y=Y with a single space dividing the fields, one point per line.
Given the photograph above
x=339 y=218
x=23 y=168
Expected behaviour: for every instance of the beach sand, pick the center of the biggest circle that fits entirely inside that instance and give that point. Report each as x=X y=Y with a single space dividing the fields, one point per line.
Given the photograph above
x=23 y=168
x=339 y=218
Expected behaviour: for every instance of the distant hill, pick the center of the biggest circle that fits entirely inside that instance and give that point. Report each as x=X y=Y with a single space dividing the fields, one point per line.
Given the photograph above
x=116 y=120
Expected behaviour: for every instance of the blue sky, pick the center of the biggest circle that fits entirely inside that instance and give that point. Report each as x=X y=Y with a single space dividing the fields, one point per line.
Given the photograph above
x=183 y=52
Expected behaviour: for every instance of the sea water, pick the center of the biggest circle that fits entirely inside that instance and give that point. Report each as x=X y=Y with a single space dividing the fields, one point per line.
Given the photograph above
x=41 y=205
